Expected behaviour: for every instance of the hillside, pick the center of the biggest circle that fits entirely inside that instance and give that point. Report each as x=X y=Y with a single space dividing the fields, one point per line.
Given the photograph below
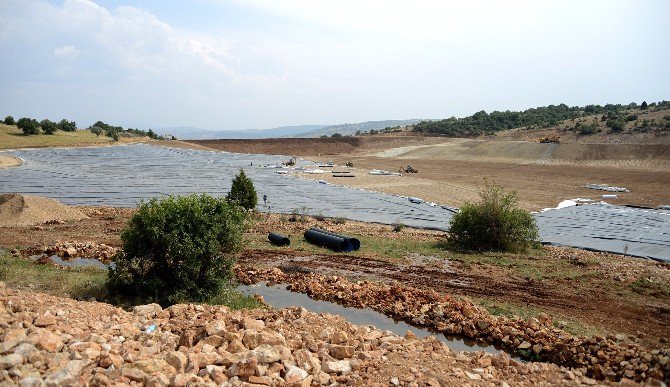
x=644 y=120
x=11 y=137
x=648 y=126
x=362 y=127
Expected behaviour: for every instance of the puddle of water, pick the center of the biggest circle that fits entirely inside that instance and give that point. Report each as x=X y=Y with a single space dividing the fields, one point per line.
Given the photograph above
x=75 y=262
x=278 y=297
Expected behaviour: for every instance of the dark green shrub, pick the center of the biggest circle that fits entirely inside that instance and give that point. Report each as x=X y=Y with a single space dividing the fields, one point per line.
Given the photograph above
x=67 y=126
x=242 y=192
x=96 y=130
x=28 y=125
x=48 y=126
x=9 y=120
x=494 y=224
x=617 y=125
x=177 y=249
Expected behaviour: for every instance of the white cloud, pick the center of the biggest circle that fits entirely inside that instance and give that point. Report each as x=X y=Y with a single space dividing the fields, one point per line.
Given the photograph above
x=66 y=51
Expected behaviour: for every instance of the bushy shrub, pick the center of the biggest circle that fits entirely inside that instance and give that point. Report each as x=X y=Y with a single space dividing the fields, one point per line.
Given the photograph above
x=48 y=126
x=28 y=125
x=242 y=192
x=177 y=249
x=9 y=120
x=494 y=224
x=617 y=125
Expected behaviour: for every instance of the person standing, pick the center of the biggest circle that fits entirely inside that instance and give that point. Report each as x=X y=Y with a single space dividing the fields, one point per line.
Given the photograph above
x=265 y=199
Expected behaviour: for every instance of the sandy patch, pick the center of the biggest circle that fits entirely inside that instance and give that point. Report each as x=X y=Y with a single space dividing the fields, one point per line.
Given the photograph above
x=26 y=210
x=9 y=161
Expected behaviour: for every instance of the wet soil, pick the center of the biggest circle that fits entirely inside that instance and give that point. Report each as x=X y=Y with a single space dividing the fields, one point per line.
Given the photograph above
x=597 y=291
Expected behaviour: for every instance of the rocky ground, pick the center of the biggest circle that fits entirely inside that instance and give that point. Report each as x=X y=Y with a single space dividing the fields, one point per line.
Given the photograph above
x=52 y=341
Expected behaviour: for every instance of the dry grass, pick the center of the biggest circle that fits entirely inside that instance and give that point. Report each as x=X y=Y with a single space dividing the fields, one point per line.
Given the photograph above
x=11 y=137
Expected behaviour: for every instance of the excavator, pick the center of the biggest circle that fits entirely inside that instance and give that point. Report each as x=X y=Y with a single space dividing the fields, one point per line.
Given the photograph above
x=408 y=169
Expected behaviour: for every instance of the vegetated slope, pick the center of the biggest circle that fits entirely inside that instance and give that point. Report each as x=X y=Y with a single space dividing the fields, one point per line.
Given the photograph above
x=640 y=126
x=11 y=137
x=362 y=127
x=584 y=120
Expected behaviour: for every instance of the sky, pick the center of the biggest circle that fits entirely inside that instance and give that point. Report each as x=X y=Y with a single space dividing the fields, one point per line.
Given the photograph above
x=242 y=64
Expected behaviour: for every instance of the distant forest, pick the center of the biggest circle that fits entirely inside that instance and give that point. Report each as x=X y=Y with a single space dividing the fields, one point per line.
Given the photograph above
x=541 y=117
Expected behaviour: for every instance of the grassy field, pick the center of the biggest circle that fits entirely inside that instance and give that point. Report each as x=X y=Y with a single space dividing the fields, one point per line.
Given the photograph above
x=84 y=283
x=11 y=137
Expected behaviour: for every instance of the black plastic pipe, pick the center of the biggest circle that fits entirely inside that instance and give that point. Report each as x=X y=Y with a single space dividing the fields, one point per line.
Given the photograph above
x=332 y=242
x=279 y=240
x=355 y=243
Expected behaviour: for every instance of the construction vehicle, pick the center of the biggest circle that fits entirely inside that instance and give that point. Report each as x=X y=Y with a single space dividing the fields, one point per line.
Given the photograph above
x=550 y=139
x=409 y=169
x=349 y=164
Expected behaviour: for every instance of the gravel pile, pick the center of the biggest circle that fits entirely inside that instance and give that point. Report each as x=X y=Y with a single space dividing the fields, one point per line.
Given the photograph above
x=27 y=210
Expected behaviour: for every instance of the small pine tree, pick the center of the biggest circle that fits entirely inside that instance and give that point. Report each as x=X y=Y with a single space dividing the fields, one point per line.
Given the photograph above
x=242 y=192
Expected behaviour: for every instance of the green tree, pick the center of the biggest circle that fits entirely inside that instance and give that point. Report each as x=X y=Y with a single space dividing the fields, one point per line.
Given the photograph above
x=96 y=130
x=494 y=224
x=617 y=125
x=336 y=135
x=28 y=125
x=67 y=126
x=48 y=126
x=242 y=192
x=177 y=249
x=9 y=120
x=644 y=105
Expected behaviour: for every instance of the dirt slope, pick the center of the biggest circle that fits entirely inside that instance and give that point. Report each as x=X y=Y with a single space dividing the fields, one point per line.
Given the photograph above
x=25 y=210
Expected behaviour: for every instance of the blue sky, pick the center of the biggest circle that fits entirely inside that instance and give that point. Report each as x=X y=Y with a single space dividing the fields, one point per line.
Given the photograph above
x=242 y=64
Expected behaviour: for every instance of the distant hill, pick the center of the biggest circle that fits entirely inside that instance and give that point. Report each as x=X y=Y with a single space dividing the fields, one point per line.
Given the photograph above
x=351 y=129
x=189 y=133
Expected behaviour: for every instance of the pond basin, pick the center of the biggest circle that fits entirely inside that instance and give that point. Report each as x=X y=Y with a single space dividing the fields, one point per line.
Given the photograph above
x=279 y=297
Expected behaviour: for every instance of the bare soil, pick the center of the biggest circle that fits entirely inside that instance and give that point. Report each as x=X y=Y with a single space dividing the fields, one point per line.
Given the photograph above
x=9 y=161
x=452 y=171
x=593 y=289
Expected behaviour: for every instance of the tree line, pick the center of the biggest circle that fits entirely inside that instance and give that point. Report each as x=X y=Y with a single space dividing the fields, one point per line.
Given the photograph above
x=115 y=131
x=540 y=117
x=30 y=126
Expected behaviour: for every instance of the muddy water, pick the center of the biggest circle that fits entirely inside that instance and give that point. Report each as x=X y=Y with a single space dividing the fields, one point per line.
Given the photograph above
x=75 y=262
x=278 y=297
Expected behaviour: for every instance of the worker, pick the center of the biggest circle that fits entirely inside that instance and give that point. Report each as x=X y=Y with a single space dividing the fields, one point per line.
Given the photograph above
x=265 y=199
x=400 y=170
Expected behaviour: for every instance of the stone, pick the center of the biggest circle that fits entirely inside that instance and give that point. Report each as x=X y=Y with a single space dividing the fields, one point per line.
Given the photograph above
x=148 y=310
x=243 y=369
x=252 y=324
x=159 y=380
x=524 y=345
x=341 y=352
x=472 y=376
x=395 y=381
x=336 y=367
x=409 y=335
x=294 y=374
x=266 y=354
x=151 y=366
x=178 y=360
x=262 y=380
x=48 y=341
x=70 y=251
x=253 y=339
x=45 y=321
x=133 y=374
x=11 y=360
x=216 y=327
x=30 y=381
x=339 y=337
x=68 y=374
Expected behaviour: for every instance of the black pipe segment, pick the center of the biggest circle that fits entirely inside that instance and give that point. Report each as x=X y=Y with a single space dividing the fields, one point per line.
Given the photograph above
x=332 y=242
x=279 y=240
x=355 y=243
